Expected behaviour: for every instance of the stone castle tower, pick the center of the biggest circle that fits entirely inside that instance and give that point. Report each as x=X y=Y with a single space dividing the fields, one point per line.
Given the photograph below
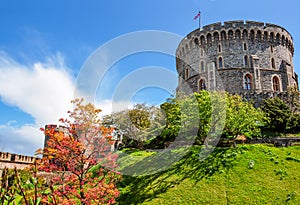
x=238 y=57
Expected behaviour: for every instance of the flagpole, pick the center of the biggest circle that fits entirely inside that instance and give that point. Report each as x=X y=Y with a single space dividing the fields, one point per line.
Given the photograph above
x=198 y=16
x=199 y=21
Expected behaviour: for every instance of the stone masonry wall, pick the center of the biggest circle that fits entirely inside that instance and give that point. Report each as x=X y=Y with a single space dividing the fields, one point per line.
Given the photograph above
x=12 y=161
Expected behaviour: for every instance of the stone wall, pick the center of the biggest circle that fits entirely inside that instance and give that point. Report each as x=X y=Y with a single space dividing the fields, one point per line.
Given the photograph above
x=18 y=161
x=257 y=98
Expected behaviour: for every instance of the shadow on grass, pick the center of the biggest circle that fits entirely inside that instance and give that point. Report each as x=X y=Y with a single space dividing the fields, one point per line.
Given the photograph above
x=138 y=189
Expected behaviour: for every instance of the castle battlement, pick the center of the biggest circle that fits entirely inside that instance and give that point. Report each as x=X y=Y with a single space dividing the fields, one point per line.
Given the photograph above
x=237 y=31
x=16 y=158
x=18 y=161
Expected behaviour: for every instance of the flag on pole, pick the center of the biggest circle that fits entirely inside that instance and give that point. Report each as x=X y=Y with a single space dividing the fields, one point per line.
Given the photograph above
x=197 y=16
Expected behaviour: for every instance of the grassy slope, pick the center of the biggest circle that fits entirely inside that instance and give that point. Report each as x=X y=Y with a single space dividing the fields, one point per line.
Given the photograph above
x=223 y=178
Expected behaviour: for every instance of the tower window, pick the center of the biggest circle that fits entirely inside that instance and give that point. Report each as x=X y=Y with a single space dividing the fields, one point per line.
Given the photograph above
x=245 y=46
x=219 y=48
x=252 y=34
x=273 y=63
x=247 y=82
x=202 y=40
x=186 y=73
x=272 y=37
x=202 y=84
x=258 y=36
x=230 y=35
x=237 y=34
x=220 y=62
x=282 y=40
x=245 y=34
x=276 y=85
x=223 y=36
x=209 y=38
x=196 y=41
x=246 y=61
x=216 y=37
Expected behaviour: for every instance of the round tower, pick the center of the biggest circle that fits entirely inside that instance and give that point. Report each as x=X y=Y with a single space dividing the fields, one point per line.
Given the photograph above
x=238 y=57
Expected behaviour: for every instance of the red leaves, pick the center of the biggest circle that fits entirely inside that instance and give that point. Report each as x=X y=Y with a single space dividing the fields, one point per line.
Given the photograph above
x=71 y=153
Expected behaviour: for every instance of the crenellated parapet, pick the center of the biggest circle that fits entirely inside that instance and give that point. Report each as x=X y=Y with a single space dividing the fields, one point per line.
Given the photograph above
x=18 y=161
x=236 y=31
x=16 y=158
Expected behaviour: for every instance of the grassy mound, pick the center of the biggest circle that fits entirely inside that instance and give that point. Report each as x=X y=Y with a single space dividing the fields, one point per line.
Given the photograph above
x=248 y=174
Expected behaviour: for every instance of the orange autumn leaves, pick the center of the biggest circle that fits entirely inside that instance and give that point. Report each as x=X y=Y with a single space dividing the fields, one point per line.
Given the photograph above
x=79 y=159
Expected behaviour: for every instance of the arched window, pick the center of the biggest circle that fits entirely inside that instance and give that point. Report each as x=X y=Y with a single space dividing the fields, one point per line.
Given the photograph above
x=186 y=74
x=196 y=41
x=271 y=48
x=202 y=84
x=245 y=34
x=219 y=48
x=246 y=61
x=202 y=40
x=276 y=84
x=247 y=82
x=209 y=38
x=266 y=36
x=223 y=36
x=278 y=38
x=237 y=34
x=258 y=36
x=272 y=37
x=230 y=35
x=282 y=40
x=220 y=62
x=216 y=37
x=202 y=69
x=245 y=46
x=252 y=35
x=273 y=63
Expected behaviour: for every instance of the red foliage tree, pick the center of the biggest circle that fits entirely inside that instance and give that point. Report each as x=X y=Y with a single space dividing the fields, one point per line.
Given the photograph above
x=79 y=161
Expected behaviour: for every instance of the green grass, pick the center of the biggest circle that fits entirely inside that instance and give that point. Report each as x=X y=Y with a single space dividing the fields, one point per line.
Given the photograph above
x=249 y=174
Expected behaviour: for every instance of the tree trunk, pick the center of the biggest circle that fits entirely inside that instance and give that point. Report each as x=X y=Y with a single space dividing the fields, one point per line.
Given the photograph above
x=234 y=144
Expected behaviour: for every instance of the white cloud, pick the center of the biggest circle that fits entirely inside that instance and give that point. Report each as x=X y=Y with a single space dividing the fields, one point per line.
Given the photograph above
x=43 y=90
x=108 y=106
x=22 y=140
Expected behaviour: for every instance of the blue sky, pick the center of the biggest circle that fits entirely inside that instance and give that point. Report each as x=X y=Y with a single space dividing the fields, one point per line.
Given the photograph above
x=45 y=44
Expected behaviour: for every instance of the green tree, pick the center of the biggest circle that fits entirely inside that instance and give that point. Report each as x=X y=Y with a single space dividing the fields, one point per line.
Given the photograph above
x=22 y=186
x=278 y=112
x=242 y=118
x=195 y=116
x=138 y=125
